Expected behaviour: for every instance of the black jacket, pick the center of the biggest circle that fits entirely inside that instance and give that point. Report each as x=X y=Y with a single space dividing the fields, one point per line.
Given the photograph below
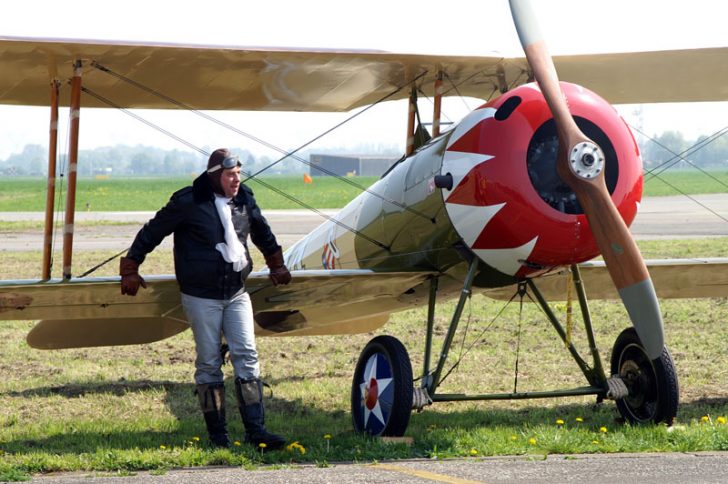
x=191 y=215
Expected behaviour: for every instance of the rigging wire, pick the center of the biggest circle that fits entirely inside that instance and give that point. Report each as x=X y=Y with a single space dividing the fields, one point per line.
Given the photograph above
x=455 y=88
x=495 y=88
x=101 y=264
x=521 y=292
x=286 y=154
x=479 y=337
x=677 y=157
x=444 y=114
x=257 y=180
x=61 y=184
x=693 y=199
x=532 y=300
x=145 y=121
x=681 y=156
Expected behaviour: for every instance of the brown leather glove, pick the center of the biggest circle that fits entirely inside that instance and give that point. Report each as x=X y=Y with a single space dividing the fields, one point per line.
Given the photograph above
x=130 y=278
x=278 y=271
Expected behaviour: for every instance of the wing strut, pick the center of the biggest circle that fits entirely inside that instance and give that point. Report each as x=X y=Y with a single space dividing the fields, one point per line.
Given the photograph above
x=51 y=189
x=410 y=146
x=437 y=109
x=72 y=169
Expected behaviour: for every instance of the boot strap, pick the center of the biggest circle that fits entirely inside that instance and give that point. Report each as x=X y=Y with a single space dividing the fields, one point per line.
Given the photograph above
x=211 y=397
x=248 y=391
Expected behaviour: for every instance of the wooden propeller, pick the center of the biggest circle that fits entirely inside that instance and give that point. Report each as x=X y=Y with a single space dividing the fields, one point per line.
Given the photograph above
x=581 y=165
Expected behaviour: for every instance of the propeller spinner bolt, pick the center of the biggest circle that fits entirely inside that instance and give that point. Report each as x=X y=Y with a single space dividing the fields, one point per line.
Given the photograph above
x=586 y=159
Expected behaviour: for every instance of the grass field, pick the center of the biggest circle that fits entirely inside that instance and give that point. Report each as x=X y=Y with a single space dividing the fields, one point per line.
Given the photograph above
x=144 y=194
x=118 y=410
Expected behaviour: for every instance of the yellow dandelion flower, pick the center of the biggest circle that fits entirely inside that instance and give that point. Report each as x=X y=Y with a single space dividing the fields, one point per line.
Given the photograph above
x=579 y=419
x=603 y=430
x=262 y=445
x=327 y=436
x=473 y=451
x=196 y=438
x=705 y=419
x=296 y=446
x=721 y=420
x=514 y=438
x=236 y=443
x=559 y=422
x=162 y=447
x=595 y=442
x=532 y=441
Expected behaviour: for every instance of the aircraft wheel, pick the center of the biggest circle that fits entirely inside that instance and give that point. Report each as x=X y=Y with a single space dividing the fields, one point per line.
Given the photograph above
x=381 y=391
x=653 y=387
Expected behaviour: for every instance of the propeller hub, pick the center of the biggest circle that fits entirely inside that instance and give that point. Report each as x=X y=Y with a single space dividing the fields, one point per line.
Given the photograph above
x=586 y=159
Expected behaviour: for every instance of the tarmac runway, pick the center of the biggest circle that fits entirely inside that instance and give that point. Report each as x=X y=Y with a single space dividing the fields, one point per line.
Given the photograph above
x=647 y=468
x=677 y=217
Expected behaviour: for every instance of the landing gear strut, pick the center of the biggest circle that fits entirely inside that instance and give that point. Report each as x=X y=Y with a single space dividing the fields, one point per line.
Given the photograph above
x=383 y=393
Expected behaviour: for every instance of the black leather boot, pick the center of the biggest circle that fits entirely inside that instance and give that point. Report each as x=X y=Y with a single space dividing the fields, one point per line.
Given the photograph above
x=250 y=402
x=212 y=403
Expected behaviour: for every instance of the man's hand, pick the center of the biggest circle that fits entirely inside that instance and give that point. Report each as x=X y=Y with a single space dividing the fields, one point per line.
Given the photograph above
x=278 y=271
x=130 y=278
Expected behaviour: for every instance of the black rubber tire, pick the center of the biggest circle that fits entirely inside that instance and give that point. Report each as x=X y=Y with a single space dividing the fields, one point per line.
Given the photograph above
x=653 y=387
x=388 y=412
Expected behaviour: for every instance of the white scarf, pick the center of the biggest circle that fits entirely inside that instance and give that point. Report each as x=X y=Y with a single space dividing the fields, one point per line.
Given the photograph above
x=232 y=250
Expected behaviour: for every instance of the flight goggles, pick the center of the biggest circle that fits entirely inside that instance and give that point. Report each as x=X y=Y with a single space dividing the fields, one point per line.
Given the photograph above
x=226 y=164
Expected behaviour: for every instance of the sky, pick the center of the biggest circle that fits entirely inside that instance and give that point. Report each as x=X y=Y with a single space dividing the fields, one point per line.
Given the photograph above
x=437 y=27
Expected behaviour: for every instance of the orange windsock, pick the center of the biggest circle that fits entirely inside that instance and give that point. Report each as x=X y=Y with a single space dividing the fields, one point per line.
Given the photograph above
x=307 y=178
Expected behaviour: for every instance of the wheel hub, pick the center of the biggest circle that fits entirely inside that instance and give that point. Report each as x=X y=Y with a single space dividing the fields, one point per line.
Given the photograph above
x=632 y=376
x=371 y=393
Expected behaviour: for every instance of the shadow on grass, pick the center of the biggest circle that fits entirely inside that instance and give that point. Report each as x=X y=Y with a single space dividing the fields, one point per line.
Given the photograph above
x=307 y=424
x=118 y=388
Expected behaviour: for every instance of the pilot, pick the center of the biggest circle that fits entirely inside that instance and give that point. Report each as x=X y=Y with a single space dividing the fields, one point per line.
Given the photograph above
x=211 y=221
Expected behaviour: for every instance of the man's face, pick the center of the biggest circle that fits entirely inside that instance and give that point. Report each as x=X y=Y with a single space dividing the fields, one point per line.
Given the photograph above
x=230 y=181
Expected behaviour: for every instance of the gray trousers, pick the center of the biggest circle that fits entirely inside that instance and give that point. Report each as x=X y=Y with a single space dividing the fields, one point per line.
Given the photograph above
x=212 y=318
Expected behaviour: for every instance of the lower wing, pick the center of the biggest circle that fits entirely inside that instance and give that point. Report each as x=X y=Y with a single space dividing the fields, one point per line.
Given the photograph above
x=673 y=279
x=92 y=312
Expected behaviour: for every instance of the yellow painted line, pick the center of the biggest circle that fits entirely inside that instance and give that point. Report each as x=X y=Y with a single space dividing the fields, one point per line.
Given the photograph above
x=424 y=474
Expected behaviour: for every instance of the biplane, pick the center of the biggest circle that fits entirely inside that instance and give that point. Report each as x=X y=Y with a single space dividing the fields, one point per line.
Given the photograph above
x=516 y=198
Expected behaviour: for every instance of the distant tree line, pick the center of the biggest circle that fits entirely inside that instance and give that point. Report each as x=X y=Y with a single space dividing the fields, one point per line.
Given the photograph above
x=672 y=149
x=139 y=160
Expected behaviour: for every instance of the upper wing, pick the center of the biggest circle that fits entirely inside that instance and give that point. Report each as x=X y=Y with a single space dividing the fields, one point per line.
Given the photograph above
x=92 y=312
x=692 y=75
x=240 y=78
x=230 y=78
x=673 y=279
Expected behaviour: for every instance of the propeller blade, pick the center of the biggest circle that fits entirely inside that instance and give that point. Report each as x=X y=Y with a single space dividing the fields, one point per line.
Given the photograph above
x=581 y=165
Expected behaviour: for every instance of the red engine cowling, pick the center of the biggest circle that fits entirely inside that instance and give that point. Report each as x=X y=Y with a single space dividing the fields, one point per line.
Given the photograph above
x=507 y=202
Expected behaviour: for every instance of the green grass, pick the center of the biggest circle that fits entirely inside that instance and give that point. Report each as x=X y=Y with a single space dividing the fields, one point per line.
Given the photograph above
x=688 y=181
x=145 y=194
x=110 y=410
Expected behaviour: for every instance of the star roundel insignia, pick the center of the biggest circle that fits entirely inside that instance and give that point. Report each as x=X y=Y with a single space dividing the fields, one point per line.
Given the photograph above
x=376 y=392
